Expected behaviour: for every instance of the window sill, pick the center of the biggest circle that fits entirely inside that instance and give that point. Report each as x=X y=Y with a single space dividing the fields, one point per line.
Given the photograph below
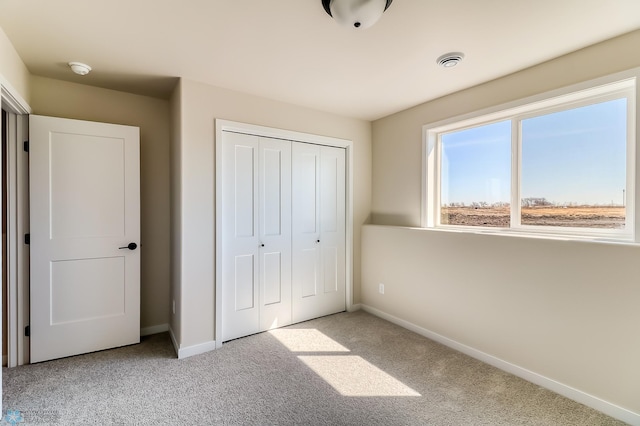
x=510 y=233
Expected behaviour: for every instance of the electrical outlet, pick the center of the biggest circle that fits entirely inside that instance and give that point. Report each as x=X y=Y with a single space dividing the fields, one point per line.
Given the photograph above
x=381 y=288
x=174 y=307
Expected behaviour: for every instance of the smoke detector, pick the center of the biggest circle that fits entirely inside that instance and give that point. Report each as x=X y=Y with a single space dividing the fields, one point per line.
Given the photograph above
x=450 y=60
x=80 y=68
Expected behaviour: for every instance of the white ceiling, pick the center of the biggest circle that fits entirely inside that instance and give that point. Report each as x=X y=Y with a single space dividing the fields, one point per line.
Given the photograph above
x=291 y=50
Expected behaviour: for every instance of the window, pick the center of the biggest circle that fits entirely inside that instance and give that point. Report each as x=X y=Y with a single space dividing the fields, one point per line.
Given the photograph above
x=475 y=176
x=559 y=164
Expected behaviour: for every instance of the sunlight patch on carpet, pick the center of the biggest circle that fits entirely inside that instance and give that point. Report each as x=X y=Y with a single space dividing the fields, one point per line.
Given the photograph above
x=307 y=340
x=353 y=376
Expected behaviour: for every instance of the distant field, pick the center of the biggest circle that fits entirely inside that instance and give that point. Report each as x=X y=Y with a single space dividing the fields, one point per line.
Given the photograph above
x=582 y=216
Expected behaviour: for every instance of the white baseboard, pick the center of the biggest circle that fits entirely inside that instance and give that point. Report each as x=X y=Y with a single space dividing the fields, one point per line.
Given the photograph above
x=187 y=351
x=154 y=329
x=354 y=307
x=577 y=395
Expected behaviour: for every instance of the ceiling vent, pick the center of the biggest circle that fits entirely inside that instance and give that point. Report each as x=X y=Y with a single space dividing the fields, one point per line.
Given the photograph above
x=450 y=60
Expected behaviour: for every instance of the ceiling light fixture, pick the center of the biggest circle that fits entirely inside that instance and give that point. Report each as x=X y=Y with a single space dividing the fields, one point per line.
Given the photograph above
x=80 y=68
x=450 y=60
x=358 y=14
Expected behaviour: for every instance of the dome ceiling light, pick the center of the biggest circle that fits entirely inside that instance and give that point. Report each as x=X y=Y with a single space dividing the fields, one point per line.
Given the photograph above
x=357 y=14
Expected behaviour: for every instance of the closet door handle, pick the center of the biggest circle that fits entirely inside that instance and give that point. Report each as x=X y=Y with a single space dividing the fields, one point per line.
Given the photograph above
x=262 y=245
x=130 y=246
x=317 y=241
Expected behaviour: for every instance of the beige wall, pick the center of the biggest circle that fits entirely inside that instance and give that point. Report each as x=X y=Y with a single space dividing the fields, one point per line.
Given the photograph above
x=201 y=105
x=12 y=69
x=565 y=310
x=70 y=100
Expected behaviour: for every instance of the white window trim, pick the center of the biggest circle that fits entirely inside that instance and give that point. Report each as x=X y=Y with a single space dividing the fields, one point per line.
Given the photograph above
x=589 y=92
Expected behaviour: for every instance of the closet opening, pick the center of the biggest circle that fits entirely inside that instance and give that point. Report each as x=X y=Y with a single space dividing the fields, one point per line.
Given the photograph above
x=284 y=228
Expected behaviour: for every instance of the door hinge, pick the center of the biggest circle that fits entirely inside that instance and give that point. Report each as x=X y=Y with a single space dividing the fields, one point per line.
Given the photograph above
x=25 y=146
x=27 y=331
x=27 y=238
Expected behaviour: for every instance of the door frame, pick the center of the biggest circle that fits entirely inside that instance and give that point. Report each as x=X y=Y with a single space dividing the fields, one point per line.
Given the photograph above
x=17 y=224
x=270 y=132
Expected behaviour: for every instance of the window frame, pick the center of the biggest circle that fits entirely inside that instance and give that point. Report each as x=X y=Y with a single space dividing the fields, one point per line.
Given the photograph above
x=617 y=86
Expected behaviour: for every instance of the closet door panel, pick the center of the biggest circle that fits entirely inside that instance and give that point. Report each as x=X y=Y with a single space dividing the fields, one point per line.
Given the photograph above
x=275 y=233
x=332 y=228
x=318 y=231
x=306 y=229
x=240 y=313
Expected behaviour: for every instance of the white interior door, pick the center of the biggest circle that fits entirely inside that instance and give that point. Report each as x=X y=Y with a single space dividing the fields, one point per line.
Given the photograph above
x=318 y=228
x=256 y=234
x=85 y=220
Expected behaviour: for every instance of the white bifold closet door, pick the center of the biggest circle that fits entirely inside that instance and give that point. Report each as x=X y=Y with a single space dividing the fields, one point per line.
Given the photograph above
x=318 y=229
x=283 y=233
x=256 y=218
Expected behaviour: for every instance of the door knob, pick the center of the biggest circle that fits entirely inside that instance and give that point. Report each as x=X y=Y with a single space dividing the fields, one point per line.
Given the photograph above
x=130 y=246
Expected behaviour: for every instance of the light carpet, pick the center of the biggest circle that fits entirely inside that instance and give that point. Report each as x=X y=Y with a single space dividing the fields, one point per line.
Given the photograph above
x=344 y=369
